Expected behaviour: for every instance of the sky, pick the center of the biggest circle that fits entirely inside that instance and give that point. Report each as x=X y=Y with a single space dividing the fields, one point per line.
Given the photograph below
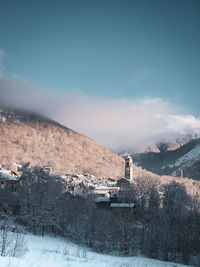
x=107 y=60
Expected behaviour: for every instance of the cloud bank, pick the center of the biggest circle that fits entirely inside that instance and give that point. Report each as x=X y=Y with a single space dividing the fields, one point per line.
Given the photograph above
x=118 y=124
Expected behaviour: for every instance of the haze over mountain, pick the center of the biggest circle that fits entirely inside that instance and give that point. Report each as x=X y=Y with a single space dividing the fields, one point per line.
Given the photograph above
x=117 y=124
x=171 y=145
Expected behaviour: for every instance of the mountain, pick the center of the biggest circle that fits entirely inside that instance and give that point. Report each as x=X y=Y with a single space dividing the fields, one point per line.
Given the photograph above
x=183 y=161
x=29 y=137
x=172 y=145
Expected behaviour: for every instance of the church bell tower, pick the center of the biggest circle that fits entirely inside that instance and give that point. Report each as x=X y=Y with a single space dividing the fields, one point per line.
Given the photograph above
x=128 y=168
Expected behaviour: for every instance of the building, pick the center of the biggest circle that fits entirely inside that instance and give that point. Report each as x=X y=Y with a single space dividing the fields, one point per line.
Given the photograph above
x=103 y=191
x=124 y=182
x=7 y=180
x=114 y=204
x=128 y=167
x=47 y=169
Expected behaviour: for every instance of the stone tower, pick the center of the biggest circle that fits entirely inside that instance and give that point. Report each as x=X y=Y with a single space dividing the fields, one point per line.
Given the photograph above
x=128 y=167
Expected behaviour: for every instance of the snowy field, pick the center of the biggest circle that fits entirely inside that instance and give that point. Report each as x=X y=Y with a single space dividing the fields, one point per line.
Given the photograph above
x=57 y=252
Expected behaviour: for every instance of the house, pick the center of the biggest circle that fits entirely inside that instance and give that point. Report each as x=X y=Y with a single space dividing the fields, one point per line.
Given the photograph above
x=113 y=189
x=123 y=183
x=102 y=202
x=103 y=191
x=111 y=180
x=113 y=204
x=7 y=180
x=47 y=169
x=100 y=191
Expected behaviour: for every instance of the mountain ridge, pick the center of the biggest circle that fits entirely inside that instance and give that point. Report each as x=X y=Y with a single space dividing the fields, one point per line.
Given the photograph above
x=27 y=136
x=183 y=161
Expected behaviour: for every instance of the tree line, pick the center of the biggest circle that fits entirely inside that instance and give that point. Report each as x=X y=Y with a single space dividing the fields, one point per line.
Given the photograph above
x=166 y=225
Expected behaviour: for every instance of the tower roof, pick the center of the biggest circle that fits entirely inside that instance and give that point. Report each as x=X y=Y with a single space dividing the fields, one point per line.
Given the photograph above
x=127 y=156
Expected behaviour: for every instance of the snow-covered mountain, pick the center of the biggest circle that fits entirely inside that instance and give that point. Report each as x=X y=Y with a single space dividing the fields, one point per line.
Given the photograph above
x=183 y=161
x=170 y=145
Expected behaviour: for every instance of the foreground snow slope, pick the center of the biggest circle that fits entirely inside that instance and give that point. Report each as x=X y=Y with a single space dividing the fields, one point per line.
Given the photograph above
x=57 y=252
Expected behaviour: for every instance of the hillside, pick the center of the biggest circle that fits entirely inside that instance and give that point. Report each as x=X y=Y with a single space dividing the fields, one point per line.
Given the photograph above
x=50 y=251
x=171 y=162
x=192 y=186
x=28 y=137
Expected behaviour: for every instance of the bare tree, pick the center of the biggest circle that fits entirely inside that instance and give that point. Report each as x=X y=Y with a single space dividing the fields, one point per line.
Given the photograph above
x=176 y=206
x=12 y=242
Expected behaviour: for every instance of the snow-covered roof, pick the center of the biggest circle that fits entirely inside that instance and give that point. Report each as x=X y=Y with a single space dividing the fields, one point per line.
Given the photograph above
x=112 y=187
x=7 y=176
x=54 y=174
x=123 y=179
x=127 y=157
x=122 y=205
x=104 y=191
x=101 y=188
x=89 y=184
x=102 y=199
x=74 y=183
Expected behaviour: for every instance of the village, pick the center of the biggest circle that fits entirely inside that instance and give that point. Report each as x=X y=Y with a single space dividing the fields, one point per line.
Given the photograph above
x=103 y=190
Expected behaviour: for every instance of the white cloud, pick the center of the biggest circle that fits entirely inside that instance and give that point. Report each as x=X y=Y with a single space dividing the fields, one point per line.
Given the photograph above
x=115 y=123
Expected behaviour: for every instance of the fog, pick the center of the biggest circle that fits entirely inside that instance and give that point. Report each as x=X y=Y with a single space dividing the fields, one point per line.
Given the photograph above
x=118 y=124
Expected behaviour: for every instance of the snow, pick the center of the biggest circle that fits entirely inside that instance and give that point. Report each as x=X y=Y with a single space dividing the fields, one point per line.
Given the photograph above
x=7 y=176
x=3 y=119
x=189 y=158
x=101 y=187
x=57 y=252
x=102 y=199
x=122 y=205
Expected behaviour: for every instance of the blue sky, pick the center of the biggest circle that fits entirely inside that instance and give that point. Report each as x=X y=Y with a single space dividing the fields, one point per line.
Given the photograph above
x=114 y=48
x=120 y=49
